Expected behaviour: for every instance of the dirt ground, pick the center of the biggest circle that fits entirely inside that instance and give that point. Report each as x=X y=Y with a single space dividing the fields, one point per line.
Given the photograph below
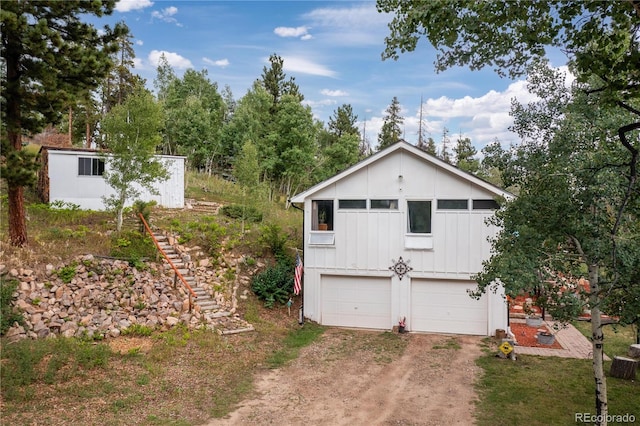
x=336 y=381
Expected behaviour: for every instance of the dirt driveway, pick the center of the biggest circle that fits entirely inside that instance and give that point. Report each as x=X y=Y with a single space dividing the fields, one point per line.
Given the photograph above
x=348 y=378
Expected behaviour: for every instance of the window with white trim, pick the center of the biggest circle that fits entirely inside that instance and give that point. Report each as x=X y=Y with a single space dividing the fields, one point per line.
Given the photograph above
x=322 y=215
x=419 y=217
x=453 y=204
x=384 y=204
x=485 y=205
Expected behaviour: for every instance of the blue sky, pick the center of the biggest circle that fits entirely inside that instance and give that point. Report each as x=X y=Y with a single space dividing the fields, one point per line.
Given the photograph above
x=333 y=49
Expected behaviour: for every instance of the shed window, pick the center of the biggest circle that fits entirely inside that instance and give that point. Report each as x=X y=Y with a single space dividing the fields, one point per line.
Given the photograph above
x=384 y=204
x=453 y=204
x=322 y=215
x=90 y=166
x=352 y=204
x=485 y=205
x=419 y=217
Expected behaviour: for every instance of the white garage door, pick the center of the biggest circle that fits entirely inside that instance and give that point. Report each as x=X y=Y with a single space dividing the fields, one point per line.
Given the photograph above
x=445 y=307
x=363 y=302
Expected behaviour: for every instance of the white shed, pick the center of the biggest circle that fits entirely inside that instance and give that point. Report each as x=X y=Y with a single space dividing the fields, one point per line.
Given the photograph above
x=75 y=175
x=403 y=234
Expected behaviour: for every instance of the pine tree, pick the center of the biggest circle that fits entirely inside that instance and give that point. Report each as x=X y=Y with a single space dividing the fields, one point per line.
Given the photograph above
x=391 y=132
x=49 y=56
x=465 y=155
x=444 y=152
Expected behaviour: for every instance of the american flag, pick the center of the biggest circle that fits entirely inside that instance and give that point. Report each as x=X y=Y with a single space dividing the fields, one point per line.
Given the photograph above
x=297 y=281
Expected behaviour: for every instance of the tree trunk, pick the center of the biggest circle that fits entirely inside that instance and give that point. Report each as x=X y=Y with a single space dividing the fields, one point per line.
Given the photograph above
x=598 y=352
x=17 y=223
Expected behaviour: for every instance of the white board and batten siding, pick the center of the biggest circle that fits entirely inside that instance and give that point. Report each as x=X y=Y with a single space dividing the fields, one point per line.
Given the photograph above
x=66 y=184
x=347 y=282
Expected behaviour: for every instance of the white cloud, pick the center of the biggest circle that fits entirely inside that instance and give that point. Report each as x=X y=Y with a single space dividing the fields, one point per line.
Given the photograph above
x=174 y=59
x=139 y=42
x=129 y=5
x=328 y=92
x=306 y=37
x=357 y=25
x=305 y=66
x=291 y=32
x=314 y=104
x=166 y=14
x=222 y=63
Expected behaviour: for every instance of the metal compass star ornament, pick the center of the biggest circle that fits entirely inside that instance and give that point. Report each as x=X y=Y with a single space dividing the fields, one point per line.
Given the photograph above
x=400 y=268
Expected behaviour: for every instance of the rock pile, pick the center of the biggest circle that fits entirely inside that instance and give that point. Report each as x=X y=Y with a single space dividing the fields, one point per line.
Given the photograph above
x=99 y=298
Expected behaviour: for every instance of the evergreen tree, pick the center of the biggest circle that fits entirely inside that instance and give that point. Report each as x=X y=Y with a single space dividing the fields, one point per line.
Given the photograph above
x=465 y=155
x=121 y=81
x=431 y=147
x=391 y=131
x=49 y=56
x=274 y=81
x=444 y=151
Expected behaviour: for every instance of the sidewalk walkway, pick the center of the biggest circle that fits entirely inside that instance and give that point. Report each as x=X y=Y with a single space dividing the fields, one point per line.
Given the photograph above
x=574 y=343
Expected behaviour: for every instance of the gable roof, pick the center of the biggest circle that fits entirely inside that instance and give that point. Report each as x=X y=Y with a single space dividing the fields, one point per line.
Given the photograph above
x=407 y=147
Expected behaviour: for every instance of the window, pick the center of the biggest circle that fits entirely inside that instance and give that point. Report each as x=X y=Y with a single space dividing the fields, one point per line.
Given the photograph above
x=453 y=204
x=90 y=166
x=384 y=204
x=322 y=215
x=419 y=217
x=352 y=204
x=485 y=205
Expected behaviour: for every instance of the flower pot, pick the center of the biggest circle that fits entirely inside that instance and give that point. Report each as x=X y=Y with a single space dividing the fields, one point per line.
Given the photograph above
x=546 y=338
x=401 y=329
x=323 y=226
x=534 y=321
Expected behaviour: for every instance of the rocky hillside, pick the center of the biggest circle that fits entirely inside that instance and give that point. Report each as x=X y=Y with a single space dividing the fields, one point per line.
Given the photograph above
x=92 y=297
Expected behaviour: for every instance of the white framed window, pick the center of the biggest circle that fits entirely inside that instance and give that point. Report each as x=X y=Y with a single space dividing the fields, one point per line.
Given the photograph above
x=322 y=215
x=419 y=217
x=384 y=204
x=419 y=214
x=352 y=204
x=453 y=204
x=485 y=205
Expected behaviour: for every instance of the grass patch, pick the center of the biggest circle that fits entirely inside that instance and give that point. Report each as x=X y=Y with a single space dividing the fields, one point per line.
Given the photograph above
x=449 y=344
x=295 y=340
x=546 y=390
x=617 y=338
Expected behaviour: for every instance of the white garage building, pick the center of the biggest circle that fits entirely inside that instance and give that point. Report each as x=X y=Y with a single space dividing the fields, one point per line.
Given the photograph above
x=400 y=234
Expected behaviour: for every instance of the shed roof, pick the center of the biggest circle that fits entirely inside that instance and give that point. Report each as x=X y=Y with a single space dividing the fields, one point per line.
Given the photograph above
x=407 y=147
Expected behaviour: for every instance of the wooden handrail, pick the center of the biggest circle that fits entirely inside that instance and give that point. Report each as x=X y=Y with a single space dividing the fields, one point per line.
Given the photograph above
x=178 y=274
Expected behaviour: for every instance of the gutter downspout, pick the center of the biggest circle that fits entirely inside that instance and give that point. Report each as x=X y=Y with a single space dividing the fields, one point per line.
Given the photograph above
x=301 y=310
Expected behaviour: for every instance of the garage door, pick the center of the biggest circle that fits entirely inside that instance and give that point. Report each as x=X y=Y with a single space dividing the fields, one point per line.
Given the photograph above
x=445 y=307
x=363 y=302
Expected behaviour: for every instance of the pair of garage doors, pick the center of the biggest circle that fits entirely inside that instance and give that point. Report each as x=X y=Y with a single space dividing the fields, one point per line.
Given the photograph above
x=439 y=306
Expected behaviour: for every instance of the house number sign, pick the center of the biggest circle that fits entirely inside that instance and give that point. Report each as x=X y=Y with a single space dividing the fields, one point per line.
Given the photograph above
x=400 y=268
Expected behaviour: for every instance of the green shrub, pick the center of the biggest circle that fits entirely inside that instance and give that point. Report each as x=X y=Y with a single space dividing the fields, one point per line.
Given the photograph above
x=66 y=273
x=272 y=237
x=8 y=313
x=132 y=246
x=238 y=211
x=143 y=208
x=274 y=284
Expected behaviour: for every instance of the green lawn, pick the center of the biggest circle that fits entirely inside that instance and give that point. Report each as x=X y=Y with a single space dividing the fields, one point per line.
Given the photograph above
x=550 y=390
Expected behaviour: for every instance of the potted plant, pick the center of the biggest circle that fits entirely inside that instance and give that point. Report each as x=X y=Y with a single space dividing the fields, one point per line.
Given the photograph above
x=545 y=338
x=534 y=320
x=402 y=324
x=322 y=219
